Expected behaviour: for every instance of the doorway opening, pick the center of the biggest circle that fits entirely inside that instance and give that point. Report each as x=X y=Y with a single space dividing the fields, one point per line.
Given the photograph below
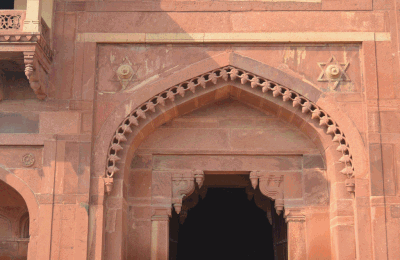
x=14 y=224
x=227 y=219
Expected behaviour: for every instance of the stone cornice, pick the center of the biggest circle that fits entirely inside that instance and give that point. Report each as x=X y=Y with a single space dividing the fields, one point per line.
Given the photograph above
x=267 y=37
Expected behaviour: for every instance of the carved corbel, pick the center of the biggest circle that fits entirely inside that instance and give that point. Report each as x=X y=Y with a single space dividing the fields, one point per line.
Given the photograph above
x=294 y=215
x=109 y=184
x=32 y=73
x=187 y=204
x=271 y=185
x=183 y=184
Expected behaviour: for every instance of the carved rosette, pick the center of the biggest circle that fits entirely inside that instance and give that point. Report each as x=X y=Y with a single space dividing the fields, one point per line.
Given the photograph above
x=183 y=185
x=234 y=74
x=271 y=185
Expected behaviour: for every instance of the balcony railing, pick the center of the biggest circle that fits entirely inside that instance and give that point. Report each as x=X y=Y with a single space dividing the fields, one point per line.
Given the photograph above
x=12 y=20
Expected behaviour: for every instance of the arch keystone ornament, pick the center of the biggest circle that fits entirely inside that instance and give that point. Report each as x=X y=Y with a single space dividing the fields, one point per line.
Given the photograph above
x=228 y=73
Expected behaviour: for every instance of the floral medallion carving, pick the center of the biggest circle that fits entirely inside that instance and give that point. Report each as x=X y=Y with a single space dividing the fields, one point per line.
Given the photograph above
x=253 y=81
x=333 y=72
x=28 y=160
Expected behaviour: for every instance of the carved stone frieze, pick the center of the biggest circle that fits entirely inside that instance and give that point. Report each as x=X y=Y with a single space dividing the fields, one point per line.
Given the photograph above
x=183 y=185
x=271 y=186
x=234 y=74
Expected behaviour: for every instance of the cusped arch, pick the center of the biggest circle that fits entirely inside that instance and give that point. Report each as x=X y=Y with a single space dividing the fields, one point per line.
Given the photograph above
x=232 y=75
x=27 y=194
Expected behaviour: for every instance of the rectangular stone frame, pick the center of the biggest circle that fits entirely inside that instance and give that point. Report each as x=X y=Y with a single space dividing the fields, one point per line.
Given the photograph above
x=362 y=204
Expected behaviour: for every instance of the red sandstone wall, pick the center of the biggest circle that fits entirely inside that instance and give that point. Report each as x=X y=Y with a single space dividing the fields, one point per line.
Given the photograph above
x=61 y=132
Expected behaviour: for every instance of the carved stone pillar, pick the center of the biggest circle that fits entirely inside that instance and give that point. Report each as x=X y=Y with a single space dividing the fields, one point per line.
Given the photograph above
x=271 y=185
x=160 y=233
x=296 y=222
x=33 y=14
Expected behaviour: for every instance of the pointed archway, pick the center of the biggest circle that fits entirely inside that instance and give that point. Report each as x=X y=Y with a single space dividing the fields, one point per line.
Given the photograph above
x=300 y=107
x=18 y=213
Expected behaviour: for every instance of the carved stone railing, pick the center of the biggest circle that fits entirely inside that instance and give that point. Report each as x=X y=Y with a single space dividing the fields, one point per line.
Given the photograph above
x=11 y=20
x=36 y=47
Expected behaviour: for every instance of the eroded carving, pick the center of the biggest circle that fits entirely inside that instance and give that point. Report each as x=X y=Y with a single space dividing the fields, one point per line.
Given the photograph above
x=28 y=160
x=125 y=73
x=271 y=186
x=183 y=184
x=230 y=73
x=333 y=71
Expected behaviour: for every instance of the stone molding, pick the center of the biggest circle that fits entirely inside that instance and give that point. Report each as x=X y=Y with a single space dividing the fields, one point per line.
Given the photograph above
x=270 y=37
x=160 y=213
x=271 y=185
x=230 y=73
x=294 y=215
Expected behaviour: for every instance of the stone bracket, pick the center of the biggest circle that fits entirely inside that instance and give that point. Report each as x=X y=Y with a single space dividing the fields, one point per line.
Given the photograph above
x=271 y=185
x=183 y=184
x=35 y=72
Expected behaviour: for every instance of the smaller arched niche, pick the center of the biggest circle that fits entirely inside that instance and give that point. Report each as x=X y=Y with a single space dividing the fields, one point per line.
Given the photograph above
x=14 y=223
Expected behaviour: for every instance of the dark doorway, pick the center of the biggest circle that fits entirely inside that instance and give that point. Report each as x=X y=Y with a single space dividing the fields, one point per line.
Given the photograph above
x=223 y=225
x=7 y=4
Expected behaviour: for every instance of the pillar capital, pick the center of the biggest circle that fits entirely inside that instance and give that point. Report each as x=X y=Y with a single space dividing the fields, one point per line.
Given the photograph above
x=294 y=215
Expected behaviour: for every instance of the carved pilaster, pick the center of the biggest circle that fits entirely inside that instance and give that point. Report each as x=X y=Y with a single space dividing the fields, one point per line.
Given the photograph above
x=183 y=184
x=32 y=72
x=295 y=219
x=271 y=185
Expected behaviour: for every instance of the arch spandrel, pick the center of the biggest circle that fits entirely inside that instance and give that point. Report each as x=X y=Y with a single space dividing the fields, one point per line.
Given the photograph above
x=133 y=98
x=249 y=82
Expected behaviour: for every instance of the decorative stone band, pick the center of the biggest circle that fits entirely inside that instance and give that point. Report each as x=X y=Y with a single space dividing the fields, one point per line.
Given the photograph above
x=294 y=215
x=183 y=185
x=234 y=74
x=271 y=185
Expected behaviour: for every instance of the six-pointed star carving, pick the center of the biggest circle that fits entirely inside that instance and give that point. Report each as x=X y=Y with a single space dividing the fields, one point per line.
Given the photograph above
x=333 y=71
x=125 y=72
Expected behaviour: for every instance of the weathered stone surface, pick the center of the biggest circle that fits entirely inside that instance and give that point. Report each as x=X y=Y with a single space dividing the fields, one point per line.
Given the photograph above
x=308 y=97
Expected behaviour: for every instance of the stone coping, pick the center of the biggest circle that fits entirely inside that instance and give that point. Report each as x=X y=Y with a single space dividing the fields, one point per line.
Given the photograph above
x=273 y=37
